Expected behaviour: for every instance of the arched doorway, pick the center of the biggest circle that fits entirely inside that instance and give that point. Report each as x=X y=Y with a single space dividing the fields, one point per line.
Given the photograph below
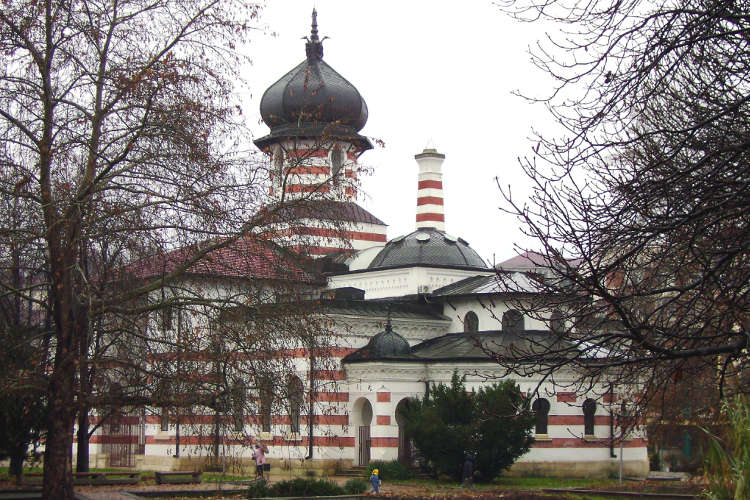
x=405 y=448
x=361 y=420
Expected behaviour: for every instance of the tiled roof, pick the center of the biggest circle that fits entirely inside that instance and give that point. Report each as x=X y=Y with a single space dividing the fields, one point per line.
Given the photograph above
x=246 y=258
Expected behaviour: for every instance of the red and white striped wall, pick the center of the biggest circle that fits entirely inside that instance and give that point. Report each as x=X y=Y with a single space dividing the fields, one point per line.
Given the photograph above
x=306 y=169
x=430 y=211
x=326 y=171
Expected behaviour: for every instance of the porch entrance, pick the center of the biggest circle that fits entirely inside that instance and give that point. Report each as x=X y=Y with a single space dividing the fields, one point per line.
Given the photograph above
x=361 y=420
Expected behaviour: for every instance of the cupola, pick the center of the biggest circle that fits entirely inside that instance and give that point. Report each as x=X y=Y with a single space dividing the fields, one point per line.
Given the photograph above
x=313 y=101
x=386 y=344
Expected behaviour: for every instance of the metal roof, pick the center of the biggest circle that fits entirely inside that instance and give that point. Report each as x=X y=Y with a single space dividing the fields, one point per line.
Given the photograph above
x=478 y=347
x=386 y=344
x=344 y=211
x=313 y=100
x=513 y=282
x=429 y=247
x=381 y=308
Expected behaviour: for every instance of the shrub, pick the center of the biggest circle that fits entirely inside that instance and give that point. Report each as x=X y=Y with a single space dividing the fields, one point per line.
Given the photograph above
x=258 y=489
x=494 y=424
x=356 y=486
x=300 y=487
x=390 y=470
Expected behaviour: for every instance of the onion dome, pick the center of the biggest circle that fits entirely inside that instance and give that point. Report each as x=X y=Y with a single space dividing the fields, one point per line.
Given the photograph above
x=313 y=101
x=386 y=344
x=428 y=247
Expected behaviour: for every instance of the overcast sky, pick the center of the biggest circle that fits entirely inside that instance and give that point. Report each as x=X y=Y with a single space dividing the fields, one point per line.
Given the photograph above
x=432 y=72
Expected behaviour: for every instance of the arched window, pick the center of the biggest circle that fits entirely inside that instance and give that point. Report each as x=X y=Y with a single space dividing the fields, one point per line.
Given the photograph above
x=161 y=397
x=265 y=394
x=295 y=394
x=471 y=322
x=512 y=321
x=278 y=164
x=541 y=411
x=589 y=409
x=238 y=406
x=336 y=158
x=556 y=322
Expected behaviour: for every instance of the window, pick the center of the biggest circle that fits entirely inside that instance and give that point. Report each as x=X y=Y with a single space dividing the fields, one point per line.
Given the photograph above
x=471 y=322
x=295 y=393
x=165 y=317
x=265 y=390
x=512 y=321
x=336 y=158
x=164 y=419
x=556 y=322
x=541 y=411
x=589 y=409
x=161 y=397
x=238 y=406
x=278 y=164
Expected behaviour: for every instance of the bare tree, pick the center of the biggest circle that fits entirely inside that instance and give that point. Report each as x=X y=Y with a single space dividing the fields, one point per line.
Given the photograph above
x=121 y=135
x=640 y=205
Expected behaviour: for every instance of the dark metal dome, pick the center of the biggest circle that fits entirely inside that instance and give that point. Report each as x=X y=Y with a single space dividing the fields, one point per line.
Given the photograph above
x=386 y=344
x=428 y=247
x=313 y=100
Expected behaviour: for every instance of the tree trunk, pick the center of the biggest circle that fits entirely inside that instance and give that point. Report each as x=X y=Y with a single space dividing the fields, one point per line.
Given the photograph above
x=16 y=463
x=58 y=479
x=82 y=449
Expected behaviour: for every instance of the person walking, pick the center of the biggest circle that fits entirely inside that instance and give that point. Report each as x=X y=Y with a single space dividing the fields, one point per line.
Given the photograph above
x=375 y=482
x=260 y=459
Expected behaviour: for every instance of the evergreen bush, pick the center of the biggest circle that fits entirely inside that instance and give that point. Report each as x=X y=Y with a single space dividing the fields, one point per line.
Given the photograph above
x=494 y=424
x=302 y=487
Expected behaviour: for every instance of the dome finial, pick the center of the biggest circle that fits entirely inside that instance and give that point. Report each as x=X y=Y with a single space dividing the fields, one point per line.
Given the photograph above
x=388 y=325
x=314 y=30
x=314 y=46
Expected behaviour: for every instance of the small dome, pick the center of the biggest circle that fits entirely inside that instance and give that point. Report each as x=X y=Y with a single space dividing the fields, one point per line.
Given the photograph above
x=389 y=343
x=386 y=344
x=313 y=100
x=428 y=247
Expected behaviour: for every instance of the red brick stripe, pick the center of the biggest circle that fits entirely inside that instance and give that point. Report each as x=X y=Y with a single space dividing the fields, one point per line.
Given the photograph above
x=580 y=443
x=430 y=216
x=333 y=233
x=429 y=200
x=384 y=442
x=336 y=397
x=576 y=419
x=384 y=397
x=566 y=397
x=430 y=184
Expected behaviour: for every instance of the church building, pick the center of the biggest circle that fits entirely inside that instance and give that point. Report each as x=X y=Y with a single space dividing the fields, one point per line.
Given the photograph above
x=407 y=311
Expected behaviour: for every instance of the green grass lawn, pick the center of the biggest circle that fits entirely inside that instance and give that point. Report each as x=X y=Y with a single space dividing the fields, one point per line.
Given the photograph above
x=533 y=483
x=526 y=483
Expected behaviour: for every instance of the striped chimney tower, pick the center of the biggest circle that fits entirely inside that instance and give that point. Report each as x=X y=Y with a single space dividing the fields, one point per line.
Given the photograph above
x=430 y=189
